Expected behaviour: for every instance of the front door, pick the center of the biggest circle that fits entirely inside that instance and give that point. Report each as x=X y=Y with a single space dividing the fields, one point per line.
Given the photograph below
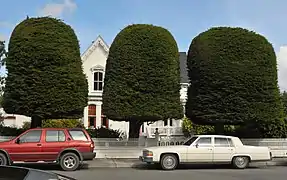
x=201 y=151
x=29 y=147
x=223 y=149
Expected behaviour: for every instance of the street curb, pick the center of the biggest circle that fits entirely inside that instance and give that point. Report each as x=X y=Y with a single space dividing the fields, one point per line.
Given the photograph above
x=277 y=162
x=135 y=163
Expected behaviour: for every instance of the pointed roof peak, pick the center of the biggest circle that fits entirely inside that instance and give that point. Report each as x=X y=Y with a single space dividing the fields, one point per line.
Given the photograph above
x=99 y=41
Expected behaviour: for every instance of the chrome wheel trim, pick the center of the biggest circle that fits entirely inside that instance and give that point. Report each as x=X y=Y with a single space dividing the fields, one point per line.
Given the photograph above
x=241 y=161
x=169 y=162
x=69 y=162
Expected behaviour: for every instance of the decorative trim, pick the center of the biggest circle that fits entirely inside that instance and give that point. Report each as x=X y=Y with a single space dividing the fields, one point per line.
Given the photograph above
x=184 y=84
x=97 y=68
x=99 y=42
x=96 y=103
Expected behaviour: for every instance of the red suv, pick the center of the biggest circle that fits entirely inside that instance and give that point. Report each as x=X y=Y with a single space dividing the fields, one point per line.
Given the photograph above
x=64 y=146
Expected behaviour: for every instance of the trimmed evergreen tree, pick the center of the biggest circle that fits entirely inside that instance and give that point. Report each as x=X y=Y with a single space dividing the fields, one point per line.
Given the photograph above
x=45 y=79
x=284 y=101
x=3 y=56
x=142 y=80
x=233 y=76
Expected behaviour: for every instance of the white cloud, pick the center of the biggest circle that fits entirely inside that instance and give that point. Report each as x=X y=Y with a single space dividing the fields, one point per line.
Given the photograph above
x=58 y=9
x=282 y=68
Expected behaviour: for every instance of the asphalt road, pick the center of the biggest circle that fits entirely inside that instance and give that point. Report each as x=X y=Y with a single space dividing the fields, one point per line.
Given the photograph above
x=214 y=173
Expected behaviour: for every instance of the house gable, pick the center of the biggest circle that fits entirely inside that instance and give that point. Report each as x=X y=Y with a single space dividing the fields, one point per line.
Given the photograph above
x=98 y=43
x=94 y=60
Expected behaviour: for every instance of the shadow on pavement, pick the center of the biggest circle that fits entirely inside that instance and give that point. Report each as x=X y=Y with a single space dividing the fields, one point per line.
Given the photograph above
x=187 y=166
x=47 y=167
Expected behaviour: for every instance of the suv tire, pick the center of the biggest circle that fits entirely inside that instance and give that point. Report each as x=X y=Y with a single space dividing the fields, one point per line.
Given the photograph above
x=3 y=160
x=69 y=162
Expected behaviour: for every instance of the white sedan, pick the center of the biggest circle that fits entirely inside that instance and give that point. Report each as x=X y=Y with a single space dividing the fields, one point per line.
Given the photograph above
x=201 y=149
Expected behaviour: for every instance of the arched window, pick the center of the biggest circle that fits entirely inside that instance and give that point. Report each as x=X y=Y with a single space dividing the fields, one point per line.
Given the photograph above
x=98 y=81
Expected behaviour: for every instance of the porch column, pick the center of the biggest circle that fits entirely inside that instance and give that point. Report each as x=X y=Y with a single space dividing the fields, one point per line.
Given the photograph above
x=98 y=115
x=86 y=117
x=168 y=127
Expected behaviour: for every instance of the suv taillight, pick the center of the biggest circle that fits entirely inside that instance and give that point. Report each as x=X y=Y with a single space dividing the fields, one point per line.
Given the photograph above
x=92 y=146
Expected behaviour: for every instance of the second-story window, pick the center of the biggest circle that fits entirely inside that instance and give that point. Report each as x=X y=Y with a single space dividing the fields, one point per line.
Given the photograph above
x=98 y=81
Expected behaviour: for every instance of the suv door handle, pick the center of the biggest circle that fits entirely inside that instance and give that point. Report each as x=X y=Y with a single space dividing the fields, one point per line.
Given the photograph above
x=210 y=149
x=39 y=144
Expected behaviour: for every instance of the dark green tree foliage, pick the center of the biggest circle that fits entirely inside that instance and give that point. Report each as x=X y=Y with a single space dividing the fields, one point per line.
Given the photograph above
x=3 y=56
x=233 y=76
x=284 y=101
x=45 y=78
x=142 y=80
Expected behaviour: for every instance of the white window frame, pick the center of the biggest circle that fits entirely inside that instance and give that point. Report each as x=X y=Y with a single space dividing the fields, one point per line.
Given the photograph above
x=98 y=81
x=97 y=69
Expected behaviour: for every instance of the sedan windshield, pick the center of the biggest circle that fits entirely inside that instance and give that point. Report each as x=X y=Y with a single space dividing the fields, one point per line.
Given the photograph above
x=190 y=141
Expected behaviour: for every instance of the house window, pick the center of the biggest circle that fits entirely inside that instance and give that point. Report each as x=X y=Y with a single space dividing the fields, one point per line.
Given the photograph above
x=98 y=81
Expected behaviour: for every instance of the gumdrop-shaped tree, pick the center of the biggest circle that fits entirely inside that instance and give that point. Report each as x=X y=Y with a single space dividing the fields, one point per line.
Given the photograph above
x=142 y=80
x=45 y=79
x=233 y=80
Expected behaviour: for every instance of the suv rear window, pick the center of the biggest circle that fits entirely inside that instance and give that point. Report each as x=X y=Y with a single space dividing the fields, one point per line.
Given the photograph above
x=78 y=135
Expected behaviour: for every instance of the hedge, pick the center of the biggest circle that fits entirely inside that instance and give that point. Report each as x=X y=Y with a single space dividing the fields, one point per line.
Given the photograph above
x=45 y=79
x=142 y=77
x=233 y=76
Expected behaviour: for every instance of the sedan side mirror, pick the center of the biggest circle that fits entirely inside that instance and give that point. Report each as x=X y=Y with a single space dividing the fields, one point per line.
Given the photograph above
x=196 y=145
x=17 y=141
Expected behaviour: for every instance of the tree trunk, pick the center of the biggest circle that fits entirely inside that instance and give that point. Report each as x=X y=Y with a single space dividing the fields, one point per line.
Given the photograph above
x=134 y=129
x=219 y=129
x=36 y=122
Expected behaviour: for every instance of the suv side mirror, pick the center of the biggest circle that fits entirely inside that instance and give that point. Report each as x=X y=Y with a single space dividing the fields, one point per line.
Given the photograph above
x=17 y=141
x=196 y=145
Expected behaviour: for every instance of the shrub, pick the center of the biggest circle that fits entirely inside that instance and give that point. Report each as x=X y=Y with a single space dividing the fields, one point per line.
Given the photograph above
x=142 y=78
x=189 y=128
x=104 y=133
x=284 y=101
x=10 y=131
x=233 y=76
x=26 y=125
x=63 y=123
x=45 y=79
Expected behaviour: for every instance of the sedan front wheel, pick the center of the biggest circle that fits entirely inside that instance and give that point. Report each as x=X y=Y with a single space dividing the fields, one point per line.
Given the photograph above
x=169 y=162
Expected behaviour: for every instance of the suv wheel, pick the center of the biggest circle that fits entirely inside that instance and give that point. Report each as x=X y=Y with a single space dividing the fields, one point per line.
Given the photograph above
x=3 y=160
x=69 y=162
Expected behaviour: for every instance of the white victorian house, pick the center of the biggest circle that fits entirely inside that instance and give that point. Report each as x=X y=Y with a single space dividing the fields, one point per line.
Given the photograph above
x=94 y=62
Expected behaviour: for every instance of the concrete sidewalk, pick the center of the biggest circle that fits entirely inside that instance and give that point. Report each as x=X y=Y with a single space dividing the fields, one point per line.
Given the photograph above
x=135 y=163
